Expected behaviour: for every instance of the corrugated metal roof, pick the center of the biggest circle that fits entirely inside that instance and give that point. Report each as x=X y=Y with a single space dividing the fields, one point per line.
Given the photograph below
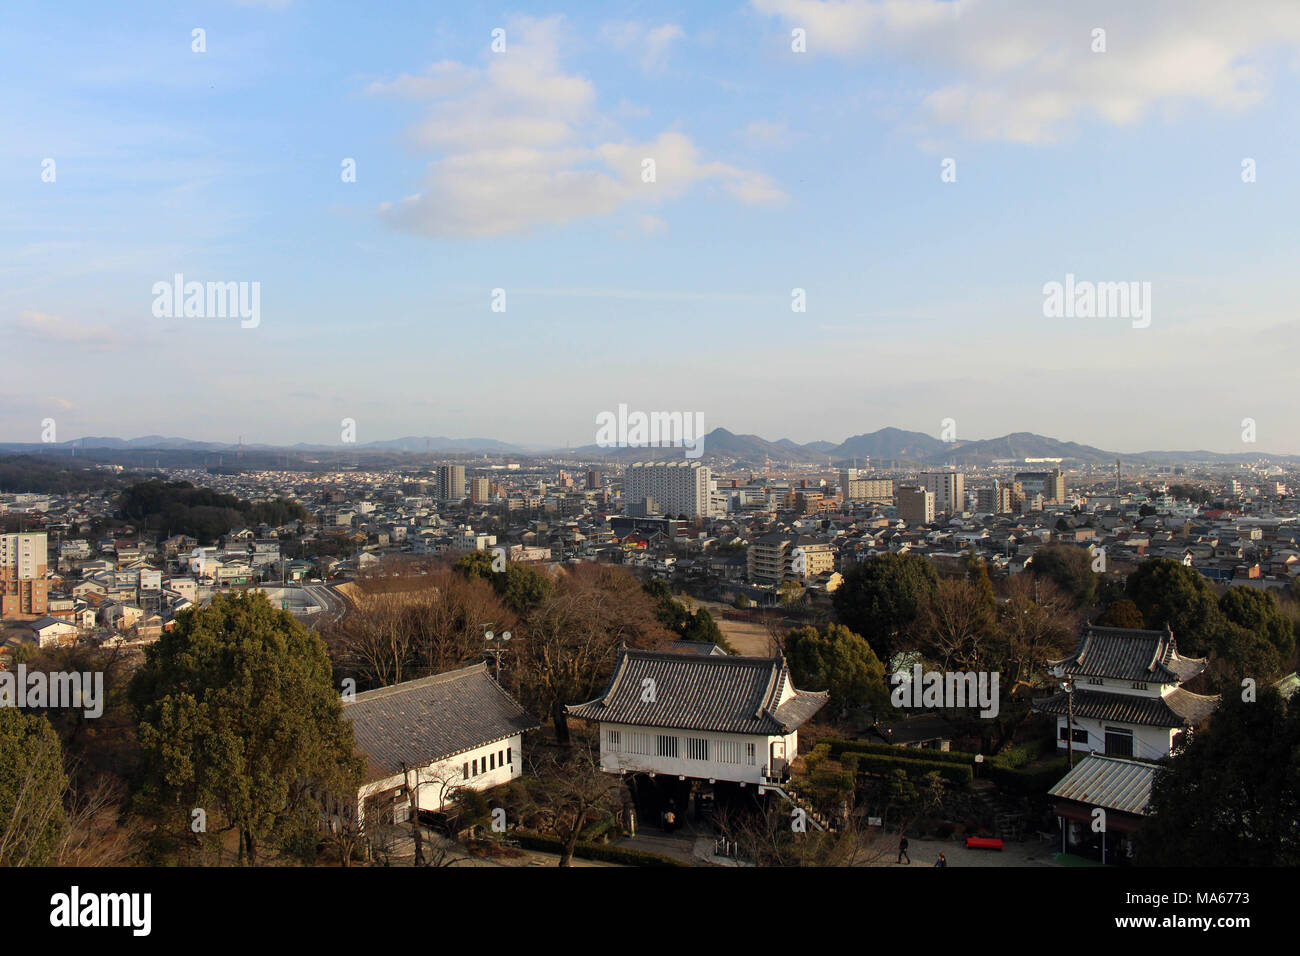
x=421 y=721
x=700 y=692
x=1112 y=783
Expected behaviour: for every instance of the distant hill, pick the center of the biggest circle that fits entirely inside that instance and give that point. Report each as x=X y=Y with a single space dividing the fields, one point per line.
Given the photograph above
x=885 y=444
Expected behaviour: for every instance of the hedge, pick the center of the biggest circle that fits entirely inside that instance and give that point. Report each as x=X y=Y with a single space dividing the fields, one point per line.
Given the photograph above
x=595 y=851
x=838 y=747
x=1029 y=780
x=949 y=771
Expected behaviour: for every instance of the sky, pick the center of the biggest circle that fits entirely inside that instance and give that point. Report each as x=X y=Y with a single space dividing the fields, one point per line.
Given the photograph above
x=640 y=189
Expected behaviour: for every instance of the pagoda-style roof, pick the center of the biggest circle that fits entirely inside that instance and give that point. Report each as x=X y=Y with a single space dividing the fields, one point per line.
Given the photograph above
x=1176 y=709
x=1129 y=654
x=723 y=694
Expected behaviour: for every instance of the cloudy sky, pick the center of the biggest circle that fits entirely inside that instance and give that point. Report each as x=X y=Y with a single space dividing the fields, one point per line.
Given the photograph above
x=792 y=145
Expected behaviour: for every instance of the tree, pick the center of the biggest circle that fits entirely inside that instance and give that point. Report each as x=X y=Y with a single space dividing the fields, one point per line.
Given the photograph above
x=238 y=718
x=572 y=638
x=956 y=627
x=1167 y=593
x=1070 y=566
x=32 y=780
x=563 y=796
x=1231 y=795
x=880 y=597
x=840 y=661
x=1258 y=611
x=1122 y=613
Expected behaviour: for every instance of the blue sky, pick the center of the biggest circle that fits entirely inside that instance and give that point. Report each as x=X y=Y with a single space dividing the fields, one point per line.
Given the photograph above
x=775 y=170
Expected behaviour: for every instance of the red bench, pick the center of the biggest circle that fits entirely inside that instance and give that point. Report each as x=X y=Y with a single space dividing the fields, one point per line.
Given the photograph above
x=983 y=843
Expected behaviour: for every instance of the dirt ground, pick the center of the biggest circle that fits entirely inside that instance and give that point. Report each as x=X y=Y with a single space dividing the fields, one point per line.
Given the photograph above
x=749 y=639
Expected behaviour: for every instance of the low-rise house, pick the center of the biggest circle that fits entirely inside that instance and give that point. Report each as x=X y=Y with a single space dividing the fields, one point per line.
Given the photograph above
x=424 y=739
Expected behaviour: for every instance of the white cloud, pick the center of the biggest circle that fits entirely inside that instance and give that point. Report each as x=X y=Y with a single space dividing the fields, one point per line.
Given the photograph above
x=43 y=327
x=652 y=43
x=517 y=147
x=1025 y=71
x=766 y=133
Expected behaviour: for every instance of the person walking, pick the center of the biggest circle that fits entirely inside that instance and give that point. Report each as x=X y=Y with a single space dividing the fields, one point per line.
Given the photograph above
x=902 y=849
x=942 y=861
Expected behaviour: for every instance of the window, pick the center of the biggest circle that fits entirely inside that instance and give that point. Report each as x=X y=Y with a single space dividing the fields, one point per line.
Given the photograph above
x=749 y=754
x=697 y=748
x=642 y=744
x=476 y=768
x=613 y=739
x=667 y=746
x=1080 y=734
x=726 y=751
x=464 y=773
x=1139 y=685
x=501 y=758
x=1097 y=681
x=492 y=761
x=509 y=757
x=1119 y=742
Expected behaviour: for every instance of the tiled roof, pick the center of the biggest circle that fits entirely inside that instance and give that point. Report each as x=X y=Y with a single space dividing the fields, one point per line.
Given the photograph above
x=1110 y=782
x=700 y=692
x=422 y=721
x=1172 y=710
x=1129 y=654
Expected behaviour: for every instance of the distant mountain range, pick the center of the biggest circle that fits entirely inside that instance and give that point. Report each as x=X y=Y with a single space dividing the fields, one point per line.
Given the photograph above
x=884 y=445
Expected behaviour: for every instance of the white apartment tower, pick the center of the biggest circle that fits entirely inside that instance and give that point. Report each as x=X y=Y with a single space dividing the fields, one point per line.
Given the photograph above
x=948 y=488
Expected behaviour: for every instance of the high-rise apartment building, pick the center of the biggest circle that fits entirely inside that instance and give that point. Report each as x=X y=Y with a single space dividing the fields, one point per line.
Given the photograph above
x=995 y=500
x=23 y=587
x=593 y=479
x=915 y=504
x=1049 y=484
x=480 y=491
x=451 y=482
x=677 y=487
x=948 y=488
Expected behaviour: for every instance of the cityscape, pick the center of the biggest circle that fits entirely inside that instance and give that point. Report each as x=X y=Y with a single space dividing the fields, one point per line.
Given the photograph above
x=788 y=434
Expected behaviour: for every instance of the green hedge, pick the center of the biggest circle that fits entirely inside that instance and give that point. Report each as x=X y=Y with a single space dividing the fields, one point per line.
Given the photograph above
x=1029 y=780
x=838 y=747
x=596 y=851
x=951 y=772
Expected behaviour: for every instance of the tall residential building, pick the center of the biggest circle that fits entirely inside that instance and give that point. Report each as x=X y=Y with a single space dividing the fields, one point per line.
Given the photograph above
x=995 y=500
x=1049 y=484
x=23 y=588
x=915 y=504
x=948 y=488
x=593 y=479
x=480 y=491
x=451 y=482
x=677 y=487
x=855 y=487
x=777 y=557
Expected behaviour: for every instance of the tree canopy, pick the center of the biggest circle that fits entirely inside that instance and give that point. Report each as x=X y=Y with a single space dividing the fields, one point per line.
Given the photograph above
x=238 y=718
x=880 y=598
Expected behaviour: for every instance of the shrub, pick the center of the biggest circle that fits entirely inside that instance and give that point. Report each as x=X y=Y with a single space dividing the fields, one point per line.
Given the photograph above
x=596 y=851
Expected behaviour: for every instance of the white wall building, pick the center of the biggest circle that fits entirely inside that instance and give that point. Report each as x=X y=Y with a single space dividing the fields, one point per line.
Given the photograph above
x=677 y=487
x=701 y=716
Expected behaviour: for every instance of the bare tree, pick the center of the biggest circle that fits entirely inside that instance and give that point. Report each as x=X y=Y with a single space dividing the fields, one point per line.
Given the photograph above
x=563 y=796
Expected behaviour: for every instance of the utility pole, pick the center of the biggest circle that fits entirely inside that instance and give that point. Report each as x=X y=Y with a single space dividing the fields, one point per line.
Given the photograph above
x=1069 y=706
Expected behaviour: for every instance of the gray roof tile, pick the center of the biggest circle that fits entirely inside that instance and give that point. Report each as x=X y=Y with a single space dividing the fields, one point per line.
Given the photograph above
x=422 y=721
x=700 y=692
x=1110 y=782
